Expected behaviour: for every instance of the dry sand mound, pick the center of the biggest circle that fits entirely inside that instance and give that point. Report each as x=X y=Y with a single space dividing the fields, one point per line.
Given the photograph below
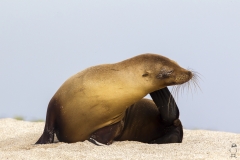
x=17 y=139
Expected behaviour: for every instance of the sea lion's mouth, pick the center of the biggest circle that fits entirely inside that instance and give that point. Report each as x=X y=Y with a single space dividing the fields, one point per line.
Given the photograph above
x=183 y=78
x=191 y=83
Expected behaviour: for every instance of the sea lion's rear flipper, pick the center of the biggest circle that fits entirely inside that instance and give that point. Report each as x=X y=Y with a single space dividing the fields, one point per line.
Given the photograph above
x=166 y=105
x=173 y=134
x=50 y=124
x=106 y=135
x=169 y=115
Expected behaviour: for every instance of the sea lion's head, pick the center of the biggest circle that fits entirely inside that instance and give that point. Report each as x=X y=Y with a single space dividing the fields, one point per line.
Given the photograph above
x=164 y=71
x=173 y=74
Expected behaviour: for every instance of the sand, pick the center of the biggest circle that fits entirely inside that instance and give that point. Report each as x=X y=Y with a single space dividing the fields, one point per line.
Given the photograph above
x=17 y=139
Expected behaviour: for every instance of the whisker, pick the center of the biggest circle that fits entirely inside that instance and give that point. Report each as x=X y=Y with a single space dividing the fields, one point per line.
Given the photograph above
x=177 y=90
x=188 y=85
x=174 y=91
x=192 y=85
x=195 y=81
x=197 y=74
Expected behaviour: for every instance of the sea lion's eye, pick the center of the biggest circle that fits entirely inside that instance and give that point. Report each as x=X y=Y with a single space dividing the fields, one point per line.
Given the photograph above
x=169 y=73
x=164 y=74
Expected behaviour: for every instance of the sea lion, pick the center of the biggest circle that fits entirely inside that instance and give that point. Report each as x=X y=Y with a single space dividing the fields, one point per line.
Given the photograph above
x=93 y=102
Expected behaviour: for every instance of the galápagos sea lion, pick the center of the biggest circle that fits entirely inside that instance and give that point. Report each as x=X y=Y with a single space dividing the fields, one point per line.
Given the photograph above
x=91 y=105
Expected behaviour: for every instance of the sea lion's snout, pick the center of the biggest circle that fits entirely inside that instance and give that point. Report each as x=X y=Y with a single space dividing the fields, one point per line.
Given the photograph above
x=190 y=75
x=183 y=77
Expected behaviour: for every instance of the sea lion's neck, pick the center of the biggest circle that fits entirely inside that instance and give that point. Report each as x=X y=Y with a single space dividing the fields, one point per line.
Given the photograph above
x=132 y=73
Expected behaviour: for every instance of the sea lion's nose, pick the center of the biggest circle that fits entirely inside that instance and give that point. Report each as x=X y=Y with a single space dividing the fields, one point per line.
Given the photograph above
x=190 y=74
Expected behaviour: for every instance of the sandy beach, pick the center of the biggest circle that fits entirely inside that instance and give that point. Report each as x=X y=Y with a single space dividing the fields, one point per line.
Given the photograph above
x=17 y=139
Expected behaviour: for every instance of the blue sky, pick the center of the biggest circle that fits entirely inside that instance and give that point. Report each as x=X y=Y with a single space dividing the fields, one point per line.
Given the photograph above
x=42 y=43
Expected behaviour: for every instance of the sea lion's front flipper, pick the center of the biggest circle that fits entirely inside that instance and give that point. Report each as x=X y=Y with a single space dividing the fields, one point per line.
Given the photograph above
x=47 y=137
x=50 y=125
x=106 y=135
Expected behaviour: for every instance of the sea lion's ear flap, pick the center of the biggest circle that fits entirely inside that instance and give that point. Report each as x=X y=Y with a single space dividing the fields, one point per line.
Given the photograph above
x=146 y=74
